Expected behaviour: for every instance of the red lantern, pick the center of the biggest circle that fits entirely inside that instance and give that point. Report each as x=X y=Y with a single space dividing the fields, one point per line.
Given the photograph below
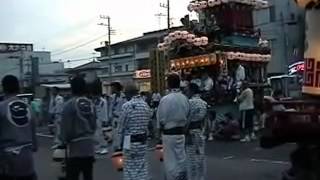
x=117 y=160
x=159 y=152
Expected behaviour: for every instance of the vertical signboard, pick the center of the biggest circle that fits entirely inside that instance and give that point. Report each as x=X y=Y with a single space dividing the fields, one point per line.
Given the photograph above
x=312 y=54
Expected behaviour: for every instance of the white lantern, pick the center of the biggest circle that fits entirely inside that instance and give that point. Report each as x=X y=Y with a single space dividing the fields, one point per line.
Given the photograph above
x=241 y=56
x=172 y=36
x=254 y=3
x=216 y=2
x=265 y=43
x=197 y=42
x=191 y=38
x=204 y=41
x=166 y=46
x=231 y=56
x=184 y=34
x=178 y=34
x=259 y=4
x=196 y=6
x=250 y=2
x=268 y=57
x=167 y=40
x=251 y=57
x=191 y=7
x=264 y=4
x=265 y=57
x=161 y=46
x=242 y=1
x=203 y=4
x=236 y=55
x=211 y=3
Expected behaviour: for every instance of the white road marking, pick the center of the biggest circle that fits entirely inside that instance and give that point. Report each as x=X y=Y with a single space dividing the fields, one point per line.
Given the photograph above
x=270 y=161
x=45 y=135
x=228 y=157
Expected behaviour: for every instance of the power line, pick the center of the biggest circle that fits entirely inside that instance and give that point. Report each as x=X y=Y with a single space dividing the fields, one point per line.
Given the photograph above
x=67 y=30
x=78 y=46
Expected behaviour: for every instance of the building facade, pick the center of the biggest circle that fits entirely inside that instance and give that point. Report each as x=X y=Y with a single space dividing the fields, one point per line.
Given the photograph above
x=282 y=24
x=128 y=61
x=25 y=63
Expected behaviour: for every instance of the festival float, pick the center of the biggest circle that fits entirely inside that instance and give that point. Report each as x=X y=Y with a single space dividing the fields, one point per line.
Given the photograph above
x=223 y=37
x=297 y=121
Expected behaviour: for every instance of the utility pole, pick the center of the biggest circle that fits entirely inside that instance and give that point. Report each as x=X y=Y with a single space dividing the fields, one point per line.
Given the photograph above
x=21 y=70
x=167 y=6
x=159 y=15
x=110 y=32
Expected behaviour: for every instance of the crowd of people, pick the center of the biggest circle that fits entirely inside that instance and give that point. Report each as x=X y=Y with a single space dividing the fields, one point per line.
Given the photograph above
x=80 y=120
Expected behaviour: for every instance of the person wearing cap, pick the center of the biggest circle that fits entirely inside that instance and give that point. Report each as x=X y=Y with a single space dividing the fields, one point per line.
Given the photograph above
x=118 y=98
x=172 y=116
x=132 y=130
x=78 y=128
x=195 y=144
x=17 y=134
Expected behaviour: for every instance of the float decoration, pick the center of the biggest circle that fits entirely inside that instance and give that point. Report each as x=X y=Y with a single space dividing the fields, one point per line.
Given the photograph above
x=198 y=6
x=178 y=38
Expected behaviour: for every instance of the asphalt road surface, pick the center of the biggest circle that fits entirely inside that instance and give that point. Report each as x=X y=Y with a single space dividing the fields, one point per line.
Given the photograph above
x=225 y=161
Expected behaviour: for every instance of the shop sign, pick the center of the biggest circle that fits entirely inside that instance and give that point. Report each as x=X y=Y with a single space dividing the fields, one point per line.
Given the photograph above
x=297 y=67
x=143 y=74
x=194 y=61
x=12 y=47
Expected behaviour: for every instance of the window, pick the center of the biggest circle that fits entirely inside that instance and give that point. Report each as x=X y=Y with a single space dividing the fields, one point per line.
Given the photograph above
x=272 y=14
x=104 y=71
x=122 y=50
x=118 y=68
x=127 y=67
x=130 y=49
x=112 y=52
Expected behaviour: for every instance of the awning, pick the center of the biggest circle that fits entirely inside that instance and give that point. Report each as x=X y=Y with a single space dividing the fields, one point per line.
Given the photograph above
x=60 y=86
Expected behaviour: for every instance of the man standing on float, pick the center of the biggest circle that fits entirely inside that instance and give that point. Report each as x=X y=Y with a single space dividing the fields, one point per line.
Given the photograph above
x=173 y=119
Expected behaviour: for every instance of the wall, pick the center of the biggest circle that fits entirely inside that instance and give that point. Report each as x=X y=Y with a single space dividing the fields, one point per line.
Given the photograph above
x=9 y=63
x=283 y=25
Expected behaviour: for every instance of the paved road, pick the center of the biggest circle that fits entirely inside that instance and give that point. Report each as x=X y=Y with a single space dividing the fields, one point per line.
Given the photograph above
x=225 y=160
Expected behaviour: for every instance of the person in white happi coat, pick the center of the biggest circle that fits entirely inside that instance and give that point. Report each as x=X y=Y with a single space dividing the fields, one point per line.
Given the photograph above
x=117 y=100
x=172 y=116
x=206 y=82
x=195 y=145
x=132 y=130
x=101 y=108
x=55 y=110
x=240 y=76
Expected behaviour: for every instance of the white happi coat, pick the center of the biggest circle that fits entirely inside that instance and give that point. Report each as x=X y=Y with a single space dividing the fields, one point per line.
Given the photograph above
x=172 y=112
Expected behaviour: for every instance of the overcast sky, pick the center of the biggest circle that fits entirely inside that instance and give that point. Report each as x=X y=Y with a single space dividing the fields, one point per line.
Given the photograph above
x=55 y=25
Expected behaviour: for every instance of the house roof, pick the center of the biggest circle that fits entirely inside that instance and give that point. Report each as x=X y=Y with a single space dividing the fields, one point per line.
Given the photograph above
x=87 y=66
x=145 y=36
